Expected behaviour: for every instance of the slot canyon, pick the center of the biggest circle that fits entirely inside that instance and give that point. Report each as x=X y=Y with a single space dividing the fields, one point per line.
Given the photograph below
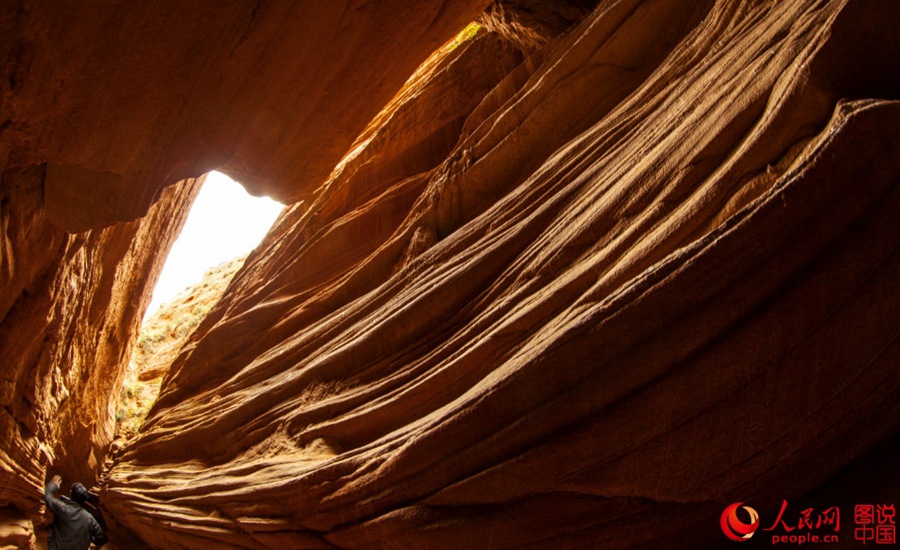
x=550 y=274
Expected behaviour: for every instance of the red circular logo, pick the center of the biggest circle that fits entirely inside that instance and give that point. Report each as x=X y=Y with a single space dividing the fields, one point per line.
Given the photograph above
x=735 y=528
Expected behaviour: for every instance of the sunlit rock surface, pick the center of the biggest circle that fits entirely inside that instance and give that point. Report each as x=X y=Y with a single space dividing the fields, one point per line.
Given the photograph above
x=568 y=288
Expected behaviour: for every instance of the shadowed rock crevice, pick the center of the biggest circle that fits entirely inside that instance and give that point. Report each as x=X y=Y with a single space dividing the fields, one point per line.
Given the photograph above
x=531 y=24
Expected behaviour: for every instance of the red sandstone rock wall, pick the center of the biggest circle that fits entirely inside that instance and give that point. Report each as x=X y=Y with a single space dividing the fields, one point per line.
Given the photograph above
x=584 y=299
x=104 y=107
x=654 y=276
x=271 y=92
x=72 y=305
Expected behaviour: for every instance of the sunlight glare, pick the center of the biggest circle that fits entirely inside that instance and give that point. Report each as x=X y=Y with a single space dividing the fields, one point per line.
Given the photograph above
x=225 y=222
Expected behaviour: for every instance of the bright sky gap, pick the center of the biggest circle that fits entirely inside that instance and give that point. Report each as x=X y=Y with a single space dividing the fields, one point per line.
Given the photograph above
x=225 y=222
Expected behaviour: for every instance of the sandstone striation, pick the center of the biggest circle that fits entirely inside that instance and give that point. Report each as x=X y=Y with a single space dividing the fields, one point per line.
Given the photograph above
x=160 y=340
x=582 y=279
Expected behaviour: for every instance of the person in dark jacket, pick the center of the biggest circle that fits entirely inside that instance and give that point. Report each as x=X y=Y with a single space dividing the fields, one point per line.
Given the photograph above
x=73 y=527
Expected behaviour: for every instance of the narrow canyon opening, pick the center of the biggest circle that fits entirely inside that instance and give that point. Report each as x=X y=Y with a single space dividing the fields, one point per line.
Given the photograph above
x=224 y=224
x=580 y=274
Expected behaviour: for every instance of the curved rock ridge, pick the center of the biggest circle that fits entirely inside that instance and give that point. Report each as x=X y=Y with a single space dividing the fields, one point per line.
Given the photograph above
x=160 y=340
x=582 y=300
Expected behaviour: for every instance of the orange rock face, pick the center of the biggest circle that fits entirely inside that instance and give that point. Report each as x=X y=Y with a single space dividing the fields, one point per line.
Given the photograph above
x=587 y=278
x=72 y=305
x=137 y=97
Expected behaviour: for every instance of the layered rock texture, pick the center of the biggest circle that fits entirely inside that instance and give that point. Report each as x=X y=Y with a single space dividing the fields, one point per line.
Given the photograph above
x=160 y=340
x=582 y=279
x=71 y=308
